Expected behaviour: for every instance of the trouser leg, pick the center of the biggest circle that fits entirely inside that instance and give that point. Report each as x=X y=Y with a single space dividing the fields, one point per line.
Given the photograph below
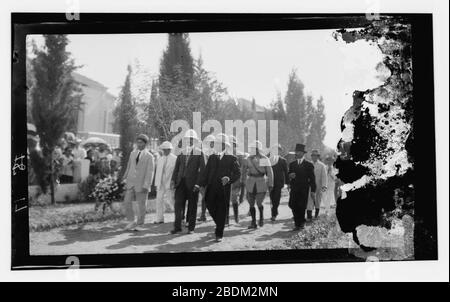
x=221 y=212
x=128 y=205
x=192 y=210
x=203 y=203
x=251 y=201
x=180 y=204
x=160 y=204
x=141 y=206
x=275 y=196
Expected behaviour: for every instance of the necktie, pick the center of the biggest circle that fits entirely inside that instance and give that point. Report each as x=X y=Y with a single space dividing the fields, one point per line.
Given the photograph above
x=137 y=157
x=187 y=160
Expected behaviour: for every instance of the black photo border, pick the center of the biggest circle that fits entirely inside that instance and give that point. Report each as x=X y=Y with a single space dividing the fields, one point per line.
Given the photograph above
x=23 y=24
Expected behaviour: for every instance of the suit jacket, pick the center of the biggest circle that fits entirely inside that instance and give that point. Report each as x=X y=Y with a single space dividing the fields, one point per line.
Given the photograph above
x=217 y=168
x=253 y=165
x=280 y=173
x=139 y=176
x=190 y=170
x=320 y=172
x=303 y=182
x=163 y=181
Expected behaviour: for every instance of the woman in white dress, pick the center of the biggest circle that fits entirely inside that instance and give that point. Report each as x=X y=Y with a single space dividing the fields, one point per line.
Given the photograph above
x=328 y=199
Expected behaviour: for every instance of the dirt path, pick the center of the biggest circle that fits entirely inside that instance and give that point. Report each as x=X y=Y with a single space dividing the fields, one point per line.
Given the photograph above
x=109 y=236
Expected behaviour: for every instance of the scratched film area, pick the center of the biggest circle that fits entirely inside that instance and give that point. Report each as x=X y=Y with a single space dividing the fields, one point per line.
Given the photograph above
x=372 y=213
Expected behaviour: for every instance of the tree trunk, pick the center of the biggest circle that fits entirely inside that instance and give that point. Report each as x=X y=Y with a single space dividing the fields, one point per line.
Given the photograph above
x=52 y=182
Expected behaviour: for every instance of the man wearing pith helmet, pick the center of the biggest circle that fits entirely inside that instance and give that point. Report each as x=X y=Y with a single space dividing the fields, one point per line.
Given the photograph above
x=164 y=169
x=138 y=176
x=259 y=180
x=185 y=179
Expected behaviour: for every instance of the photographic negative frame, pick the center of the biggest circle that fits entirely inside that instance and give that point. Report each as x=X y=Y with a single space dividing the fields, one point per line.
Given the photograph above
x=23 y=24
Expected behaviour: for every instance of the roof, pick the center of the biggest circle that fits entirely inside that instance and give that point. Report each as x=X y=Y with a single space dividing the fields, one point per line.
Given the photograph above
x=244 y=103
x=84 y=80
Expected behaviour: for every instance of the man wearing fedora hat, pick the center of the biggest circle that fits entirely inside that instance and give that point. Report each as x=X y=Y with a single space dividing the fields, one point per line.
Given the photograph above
x=302 y=181
x=138 y=177
x=320 y=173
x=164 y=169
x=189 y=167
x=221 y=171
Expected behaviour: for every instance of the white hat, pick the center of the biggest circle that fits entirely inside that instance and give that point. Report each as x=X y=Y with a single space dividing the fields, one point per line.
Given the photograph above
x=222 y=138
x=166 y=145
x=208 y=139
x=191 y=134
x=255 y=144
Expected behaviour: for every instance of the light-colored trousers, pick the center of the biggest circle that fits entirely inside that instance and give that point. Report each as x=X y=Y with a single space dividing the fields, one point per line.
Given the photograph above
x=135 y=205
x=315 y=204
x=163 y=196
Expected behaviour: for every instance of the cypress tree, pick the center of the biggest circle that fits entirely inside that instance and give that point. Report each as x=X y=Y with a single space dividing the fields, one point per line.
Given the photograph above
x=55 y=97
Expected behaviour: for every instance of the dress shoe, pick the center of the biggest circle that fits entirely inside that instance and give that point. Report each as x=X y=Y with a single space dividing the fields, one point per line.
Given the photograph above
x=219 y=239
x=253 y=226
x=175 y=232
x=190 y=232
x=158 y=222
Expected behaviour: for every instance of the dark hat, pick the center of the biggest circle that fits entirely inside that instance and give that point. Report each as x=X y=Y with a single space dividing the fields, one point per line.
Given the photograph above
x=300 y=147
x=142 y=137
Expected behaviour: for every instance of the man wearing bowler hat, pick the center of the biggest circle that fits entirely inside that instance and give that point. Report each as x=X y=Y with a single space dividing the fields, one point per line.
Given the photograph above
x=138 y=177
x=302 y=181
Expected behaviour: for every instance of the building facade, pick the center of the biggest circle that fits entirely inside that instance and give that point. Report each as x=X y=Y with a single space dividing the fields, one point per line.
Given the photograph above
x=96 y=116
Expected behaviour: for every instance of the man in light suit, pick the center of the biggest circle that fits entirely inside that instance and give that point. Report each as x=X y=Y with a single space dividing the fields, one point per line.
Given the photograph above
x=138 y=177
x=163 y=176
x=320 y=172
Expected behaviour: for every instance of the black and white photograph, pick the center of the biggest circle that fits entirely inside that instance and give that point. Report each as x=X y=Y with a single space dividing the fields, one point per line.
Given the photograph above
x=191 y=139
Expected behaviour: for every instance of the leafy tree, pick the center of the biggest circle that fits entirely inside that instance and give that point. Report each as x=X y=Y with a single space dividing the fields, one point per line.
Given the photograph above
x=317 y=131
x=54 y=97
x=277 y=108
x=296 y=107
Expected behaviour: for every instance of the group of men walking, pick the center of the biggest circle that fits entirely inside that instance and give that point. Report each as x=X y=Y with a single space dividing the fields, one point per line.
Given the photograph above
x=219 y=174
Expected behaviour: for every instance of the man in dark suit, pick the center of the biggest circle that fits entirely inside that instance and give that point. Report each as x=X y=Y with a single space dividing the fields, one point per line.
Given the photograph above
x=221 y=171
x=302 y=183
x=280 y=177
x=185 y=179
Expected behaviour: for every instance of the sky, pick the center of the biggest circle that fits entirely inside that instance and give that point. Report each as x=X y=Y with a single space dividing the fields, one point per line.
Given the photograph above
x=249 y=64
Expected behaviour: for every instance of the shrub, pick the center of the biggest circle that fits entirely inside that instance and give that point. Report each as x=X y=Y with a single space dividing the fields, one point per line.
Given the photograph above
x=87 y=187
